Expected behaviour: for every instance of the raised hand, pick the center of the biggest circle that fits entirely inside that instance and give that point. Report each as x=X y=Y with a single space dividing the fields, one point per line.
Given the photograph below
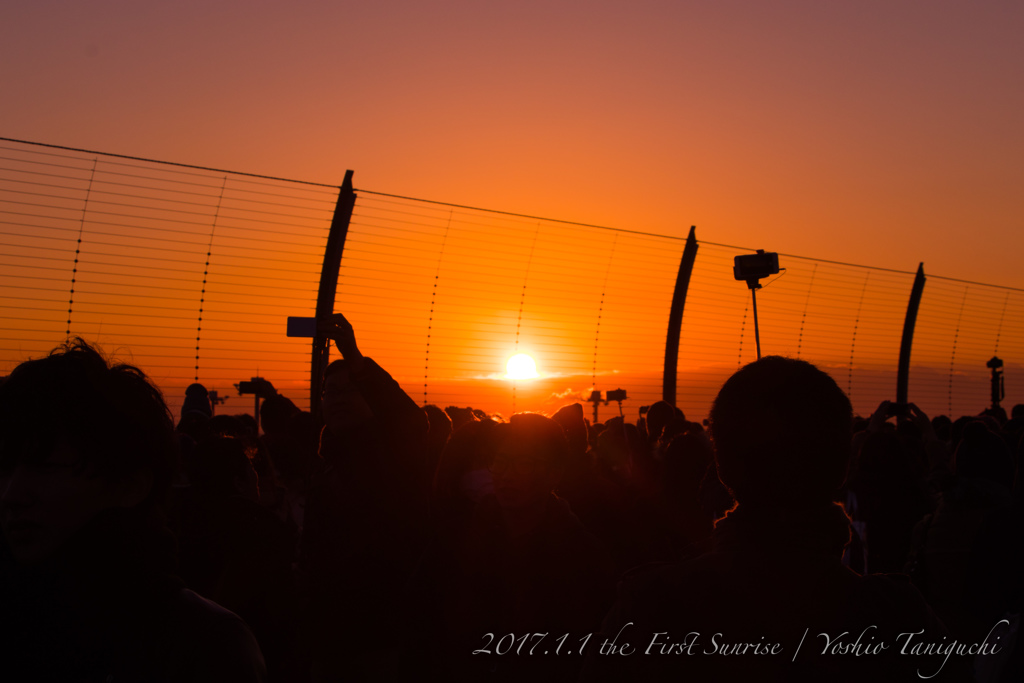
x=337 y=328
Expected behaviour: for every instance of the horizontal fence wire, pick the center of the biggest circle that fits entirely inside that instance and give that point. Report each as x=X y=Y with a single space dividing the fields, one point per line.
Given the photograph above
x=188 y=273
x=450 y=293
x=191 y=272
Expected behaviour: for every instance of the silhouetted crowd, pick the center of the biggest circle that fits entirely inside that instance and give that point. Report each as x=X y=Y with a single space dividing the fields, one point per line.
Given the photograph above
x=786 y=540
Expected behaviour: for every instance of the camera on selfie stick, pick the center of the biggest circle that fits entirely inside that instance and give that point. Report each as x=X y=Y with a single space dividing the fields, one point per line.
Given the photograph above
x=751 y=268
x=260 y=388
x=618 y=395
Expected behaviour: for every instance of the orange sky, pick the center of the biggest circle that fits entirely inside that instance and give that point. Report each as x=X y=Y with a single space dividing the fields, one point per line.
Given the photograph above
x=885 y=133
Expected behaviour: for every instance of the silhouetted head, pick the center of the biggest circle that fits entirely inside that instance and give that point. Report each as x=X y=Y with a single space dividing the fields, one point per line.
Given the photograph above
x=574 y=424
x=781 y=430
x=275 y=413
x=958 y=428
x=943 y=427
x=658 y=415
x=531 y=455
x=439 y=430
x=221 y=468
x=440 y=426
x=464 y=466
x=686 y=462
x=983 y=454
x=343 y=404
x=227 y=425
x=990 y=419
x=675 y=427
x=197 y=402
x=460 y=416
x=78 y=436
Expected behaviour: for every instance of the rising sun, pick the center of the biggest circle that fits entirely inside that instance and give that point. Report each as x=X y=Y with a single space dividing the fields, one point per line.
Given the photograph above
x=521 y=366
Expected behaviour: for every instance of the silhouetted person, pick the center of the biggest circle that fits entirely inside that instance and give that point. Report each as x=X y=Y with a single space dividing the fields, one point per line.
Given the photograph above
x=590 y=492
x=888 y=481
x=237 y=552
x=87 y=589
x=460 y=416
x=365 y=517
x=781 y=432
x=437 y=437
x=630 y=523
x=659 y=415
x=462 y=481
x=525 y=564
x=196 y=411
x=292 y=438
x=463 y=476
x=688 y=458
x=675 y=427
x=967 y=557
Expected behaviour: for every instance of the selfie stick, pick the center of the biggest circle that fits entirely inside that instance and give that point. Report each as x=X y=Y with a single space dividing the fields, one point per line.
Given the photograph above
x=754 y=286
x=751 y=268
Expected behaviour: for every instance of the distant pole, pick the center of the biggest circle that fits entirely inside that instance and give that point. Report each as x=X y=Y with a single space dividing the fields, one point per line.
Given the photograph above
x=675 y=319
x=328 y=286
x=595 y=398
x=903 y=372
x=998 y=388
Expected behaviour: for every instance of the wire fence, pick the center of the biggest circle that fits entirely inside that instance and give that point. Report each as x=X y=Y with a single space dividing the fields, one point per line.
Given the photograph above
x=190 y=273
x=187 y=273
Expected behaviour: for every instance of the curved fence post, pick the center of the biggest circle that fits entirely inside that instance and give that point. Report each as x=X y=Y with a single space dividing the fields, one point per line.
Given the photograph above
x=903 y=372
x=675 y=318
x=328 y=287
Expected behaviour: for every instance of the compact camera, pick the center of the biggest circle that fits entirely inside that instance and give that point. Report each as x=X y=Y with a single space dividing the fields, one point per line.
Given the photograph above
x=755 y=266
x=258 y=386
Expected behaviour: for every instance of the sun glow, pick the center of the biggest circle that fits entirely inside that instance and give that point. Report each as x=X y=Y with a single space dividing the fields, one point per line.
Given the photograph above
x=521 y=366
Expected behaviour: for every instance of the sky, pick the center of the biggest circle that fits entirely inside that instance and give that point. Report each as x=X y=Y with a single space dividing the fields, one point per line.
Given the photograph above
x=879 y=133
x=876 y=133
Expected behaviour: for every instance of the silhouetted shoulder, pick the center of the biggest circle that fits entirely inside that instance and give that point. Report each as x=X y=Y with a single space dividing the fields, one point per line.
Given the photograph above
x=209 y=643
x=387 y=398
